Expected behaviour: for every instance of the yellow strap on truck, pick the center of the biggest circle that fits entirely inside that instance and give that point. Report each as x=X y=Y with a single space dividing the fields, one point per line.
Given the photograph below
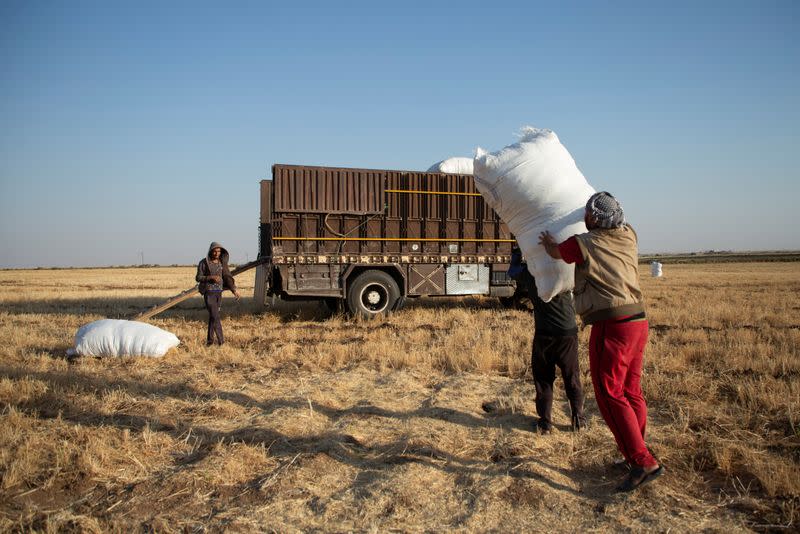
x=432 y=192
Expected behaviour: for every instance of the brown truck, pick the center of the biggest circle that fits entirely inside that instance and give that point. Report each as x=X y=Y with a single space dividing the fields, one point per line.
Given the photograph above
x=368 y=239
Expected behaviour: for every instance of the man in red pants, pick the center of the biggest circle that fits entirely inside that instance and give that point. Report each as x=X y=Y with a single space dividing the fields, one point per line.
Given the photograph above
x=608 y=297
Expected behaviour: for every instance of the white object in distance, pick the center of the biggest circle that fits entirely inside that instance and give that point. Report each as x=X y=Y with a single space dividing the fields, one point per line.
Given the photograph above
x=655 y=269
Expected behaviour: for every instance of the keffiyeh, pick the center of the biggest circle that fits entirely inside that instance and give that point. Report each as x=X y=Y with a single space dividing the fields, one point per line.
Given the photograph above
x=606 y=210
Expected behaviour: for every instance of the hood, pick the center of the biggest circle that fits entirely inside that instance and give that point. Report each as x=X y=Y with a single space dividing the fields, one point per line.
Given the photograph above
x=223 y=255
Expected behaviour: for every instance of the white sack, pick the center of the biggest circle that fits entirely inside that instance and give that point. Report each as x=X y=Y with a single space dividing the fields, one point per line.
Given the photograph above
x=655 y=269
x=453 y=166
x=534 y=185
x=112 y=337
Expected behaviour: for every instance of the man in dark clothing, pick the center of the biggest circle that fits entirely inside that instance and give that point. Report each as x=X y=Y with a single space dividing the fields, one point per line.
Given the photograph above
x=555 y=343
x=214 y=277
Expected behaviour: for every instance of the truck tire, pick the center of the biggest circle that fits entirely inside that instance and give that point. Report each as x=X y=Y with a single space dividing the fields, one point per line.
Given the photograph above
x=372 y=293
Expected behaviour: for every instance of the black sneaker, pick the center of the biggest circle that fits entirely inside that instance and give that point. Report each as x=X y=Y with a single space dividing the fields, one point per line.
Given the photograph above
x=543 y=427
x=578 y=423
x=638 y=477
x=621 y=464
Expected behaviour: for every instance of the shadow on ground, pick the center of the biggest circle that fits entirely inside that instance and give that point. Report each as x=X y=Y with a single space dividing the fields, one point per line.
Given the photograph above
x=378 y=459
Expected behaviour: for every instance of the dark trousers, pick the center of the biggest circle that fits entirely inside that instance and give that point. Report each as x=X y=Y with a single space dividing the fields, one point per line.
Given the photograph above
x=213 y=300
x=616 y=351
x=549 y=352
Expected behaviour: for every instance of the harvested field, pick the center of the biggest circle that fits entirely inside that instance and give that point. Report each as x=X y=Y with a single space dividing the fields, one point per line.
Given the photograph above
x=309 y=422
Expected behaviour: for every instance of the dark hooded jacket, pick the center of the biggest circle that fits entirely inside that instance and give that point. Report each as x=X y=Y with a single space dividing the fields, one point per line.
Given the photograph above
x=204 y=271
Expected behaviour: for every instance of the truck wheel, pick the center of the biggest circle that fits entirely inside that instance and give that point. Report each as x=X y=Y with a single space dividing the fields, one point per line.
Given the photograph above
x=372 y=293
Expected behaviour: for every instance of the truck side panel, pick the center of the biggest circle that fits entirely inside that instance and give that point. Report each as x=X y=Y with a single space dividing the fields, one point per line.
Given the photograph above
x=317 y=221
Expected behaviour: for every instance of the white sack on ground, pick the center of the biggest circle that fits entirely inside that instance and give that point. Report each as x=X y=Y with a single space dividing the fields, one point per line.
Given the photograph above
x=534 y=185
x=655 y=269
x=112 y=337
x=453 y=166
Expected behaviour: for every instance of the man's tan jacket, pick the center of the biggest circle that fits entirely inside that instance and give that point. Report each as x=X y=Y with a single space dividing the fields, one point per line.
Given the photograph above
x=607 y=282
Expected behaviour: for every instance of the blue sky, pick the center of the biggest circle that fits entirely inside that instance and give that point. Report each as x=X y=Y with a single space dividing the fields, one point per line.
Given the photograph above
x=132 y=127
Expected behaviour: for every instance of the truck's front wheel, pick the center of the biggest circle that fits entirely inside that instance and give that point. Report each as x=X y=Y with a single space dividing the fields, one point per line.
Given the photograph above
x=372 y=293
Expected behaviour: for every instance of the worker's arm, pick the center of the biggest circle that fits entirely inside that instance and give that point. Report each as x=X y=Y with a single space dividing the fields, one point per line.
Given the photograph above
x=228 y=282
x=550 y=245
x=568 y=250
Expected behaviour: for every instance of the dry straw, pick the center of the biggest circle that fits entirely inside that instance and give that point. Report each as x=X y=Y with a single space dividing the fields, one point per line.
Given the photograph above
x=309 y=422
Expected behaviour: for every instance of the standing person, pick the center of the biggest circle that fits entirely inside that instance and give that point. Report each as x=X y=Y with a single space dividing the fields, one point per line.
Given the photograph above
x=214 y=277
x=608 y=297
x=555 y=343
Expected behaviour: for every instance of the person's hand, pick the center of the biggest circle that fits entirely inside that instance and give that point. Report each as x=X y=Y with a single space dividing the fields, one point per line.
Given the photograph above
x=236 y=294
x=546 y=239
x=550 y=245
x=215 y=278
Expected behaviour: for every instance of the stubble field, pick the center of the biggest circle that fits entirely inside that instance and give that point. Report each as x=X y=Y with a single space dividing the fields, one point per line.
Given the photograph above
x=306 y=422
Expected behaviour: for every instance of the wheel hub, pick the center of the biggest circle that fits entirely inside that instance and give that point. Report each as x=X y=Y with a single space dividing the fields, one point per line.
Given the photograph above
x=373 y=297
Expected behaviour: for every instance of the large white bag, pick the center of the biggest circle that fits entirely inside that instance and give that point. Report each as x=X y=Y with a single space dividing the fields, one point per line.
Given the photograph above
x=453 y=166
x=112 y=337
x=534 y=185
x=655 y=269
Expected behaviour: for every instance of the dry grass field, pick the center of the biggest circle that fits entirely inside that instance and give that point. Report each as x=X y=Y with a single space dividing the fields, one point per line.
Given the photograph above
x=305 y=422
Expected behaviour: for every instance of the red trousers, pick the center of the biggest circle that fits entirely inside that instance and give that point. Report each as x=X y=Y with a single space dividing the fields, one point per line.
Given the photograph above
x=615 y=360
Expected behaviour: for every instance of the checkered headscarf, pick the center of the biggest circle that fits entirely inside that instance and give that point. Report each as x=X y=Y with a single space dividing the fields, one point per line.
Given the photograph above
x=606 y=210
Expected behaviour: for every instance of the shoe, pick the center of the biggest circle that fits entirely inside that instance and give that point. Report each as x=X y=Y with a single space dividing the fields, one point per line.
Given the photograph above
x=638 y=477
x=621 y=464
x=578 y=423
x=543 y=427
